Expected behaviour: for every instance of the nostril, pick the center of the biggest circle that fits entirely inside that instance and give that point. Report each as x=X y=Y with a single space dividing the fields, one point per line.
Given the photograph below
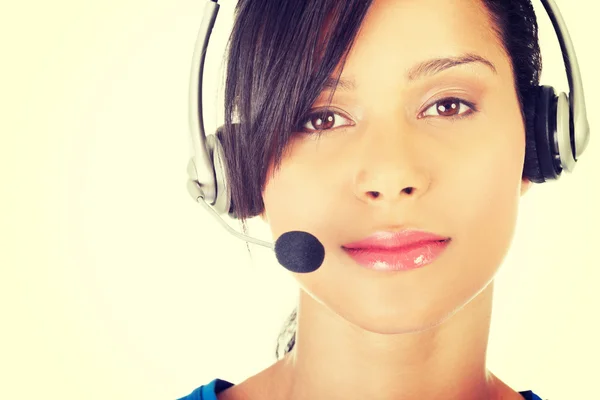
x=374 y=194
x=409 y=190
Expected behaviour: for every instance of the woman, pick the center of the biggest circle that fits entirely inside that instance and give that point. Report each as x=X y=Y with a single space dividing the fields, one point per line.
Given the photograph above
x=383 y=119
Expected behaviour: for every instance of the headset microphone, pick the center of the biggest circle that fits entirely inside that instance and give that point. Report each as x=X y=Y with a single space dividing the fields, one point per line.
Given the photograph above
x=297 y=251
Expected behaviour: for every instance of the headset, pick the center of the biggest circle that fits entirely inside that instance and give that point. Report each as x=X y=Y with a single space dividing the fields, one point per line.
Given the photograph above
x=556 y=126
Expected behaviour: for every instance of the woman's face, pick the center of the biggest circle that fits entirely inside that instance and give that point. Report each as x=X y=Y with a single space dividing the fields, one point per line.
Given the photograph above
x=390 y=131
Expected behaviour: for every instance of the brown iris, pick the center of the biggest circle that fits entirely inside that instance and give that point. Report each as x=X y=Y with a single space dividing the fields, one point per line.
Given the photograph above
x=323 y=120
x=448 y=107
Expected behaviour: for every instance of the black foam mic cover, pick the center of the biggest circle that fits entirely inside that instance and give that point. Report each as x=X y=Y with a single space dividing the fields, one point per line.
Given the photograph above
x=299 y=252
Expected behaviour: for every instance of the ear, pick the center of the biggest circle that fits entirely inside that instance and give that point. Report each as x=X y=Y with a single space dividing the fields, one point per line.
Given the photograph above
x=525 y=185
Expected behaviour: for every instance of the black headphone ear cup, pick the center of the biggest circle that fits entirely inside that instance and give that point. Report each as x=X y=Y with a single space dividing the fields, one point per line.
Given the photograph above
x=531 y=166
x=545 y=131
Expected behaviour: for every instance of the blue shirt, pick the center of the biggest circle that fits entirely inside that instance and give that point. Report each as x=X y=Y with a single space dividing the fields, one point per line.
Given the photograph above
x=209 y=391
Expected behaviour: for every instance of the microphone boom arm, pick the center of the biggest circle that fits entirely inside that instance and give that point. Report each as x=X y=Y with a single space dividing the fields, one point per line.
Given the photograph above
x=230 y=229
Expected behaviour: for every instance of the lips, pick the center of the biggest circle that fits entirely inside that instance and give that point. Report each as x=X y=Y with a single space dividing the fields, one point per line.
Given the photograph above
x=395 y=240
x=397 y=251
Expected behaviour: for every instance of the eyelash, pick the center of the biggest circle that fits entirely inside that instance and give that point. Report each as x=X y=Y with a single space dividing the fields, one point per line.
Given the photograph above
x=318 y=112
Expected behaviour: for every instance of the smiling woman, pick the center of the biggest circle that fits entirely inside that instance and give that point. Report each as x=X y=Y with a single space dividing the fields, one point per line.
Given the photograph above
x=415 y=122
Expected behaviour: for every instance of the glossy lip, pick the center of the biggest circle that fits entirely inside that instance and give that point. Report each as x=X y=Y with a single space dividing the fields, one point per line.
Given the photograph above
x=394 y=240
x=397 y=251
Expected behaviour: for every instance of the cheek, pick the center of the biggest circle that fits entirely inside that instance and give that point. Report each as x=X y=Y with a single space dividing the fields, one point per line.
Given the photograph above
x=280 y=205
x=486 y=191
x=293 y=200
x=305 y=193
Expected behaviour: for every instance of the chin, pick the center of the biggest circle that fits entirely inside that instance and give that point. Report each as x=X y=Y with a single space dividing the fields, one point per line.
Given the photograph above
x=397 y=320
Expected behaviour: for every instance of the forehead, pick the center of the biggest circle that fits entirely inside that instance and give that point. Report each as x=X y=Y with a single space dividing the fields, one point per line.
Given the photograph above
x=397 y=34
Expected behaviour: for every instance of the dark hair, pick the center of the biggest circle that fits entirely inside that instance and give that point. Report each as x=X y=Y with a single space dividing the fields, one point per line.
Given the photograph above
x=279 y=56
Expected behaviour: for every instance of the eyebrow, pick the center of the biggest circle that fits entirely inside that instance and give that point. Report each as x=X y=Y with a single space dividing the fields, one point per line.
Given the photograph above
x=436 y=65
x=344 y=84
x=420 y=70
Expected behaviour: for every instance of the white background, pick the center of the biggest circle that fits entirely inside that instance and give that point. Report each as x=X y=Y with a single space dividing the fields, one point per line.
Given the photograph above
x=114 y=284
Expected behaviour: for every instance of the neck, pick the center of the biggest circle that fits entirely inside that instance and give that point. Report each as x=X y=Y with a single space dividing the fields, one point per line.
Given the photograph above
x=334 y=359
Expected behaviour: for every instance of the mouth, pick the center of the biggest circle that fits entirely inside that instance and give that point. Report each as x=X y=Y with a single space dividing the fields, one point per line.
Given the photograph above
x=398 y=258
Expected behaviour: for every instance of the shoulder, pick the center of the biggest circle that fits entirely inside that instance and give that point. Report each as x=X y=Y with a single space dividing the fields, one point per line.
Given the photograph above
x=263 y=385
x=267 y=384
x=250 y=389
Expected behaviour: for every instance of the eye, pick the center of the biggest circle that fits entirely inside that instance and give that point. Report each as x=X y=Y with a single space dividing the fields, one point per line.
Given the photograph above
x=451 y=108
x=323 y=120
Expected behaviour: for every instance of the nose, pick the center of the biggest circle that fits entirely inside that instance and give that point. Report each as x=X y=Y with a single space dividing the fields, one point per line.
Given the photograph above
x=392 y=165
